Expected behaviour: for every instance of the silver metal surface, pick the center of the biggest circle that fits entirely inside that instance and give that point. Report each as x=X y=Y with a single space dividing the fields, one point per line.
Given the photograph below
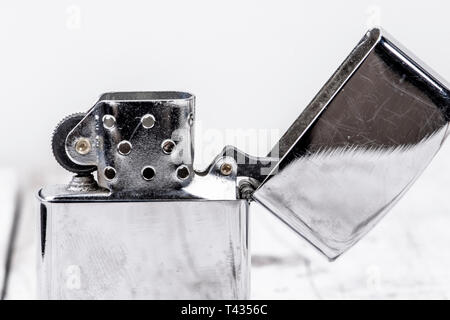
x=130 y=132
x=209 y=184
x=153 y=227
x=144 y=250
x=358 y=146
x=126 y=130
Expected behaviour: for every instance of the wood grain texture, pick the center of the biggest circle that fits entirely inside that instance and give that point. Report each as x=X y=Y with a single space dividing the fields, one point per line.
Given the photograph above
x=8 y=203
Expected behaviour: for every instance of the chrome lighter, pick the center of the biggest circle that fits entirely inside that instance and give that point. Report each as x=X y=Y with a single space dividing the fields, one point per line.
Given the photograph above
x=152 y=227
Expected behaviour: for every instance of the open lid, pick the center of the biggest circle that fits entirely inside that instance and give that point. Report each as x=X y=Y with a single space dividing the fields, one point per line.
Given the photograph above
x=358 y=146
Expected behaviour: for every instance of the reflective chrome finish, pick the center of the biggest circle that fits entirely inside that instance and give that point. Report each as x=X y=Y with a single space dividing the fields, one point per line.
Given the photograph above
x=209 y=184
x=358 y=146
x=153 y=227
x=126 y=130
x=144 y=250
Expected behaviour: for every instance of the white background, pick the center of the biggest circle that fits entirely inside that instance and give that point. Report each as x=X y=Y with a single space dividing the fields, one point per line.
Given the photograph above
x=253 y=65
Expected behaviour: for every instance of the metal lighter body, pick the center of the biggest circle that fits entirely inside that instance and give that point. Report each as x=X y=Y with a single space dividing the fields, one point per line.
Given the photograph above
x=152 y=227
x=144 y=250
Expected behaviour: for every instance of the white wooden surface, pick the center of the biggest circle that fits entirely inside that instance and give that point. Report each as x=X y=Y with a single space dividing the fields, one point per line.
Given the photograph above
x=8 y=191
x=406 y=256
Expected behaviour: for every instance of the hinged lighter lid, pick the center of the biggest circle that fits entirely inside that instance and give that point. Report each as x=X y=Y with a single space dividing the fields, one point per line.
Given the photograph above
x=358 y=146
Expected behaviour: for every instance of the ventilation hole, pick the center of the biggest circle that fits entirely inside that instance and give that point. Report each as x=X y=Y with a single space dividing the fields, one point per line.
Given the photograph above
x=148 y=121
x=168 y=146
x=148 y=173
x=182 y=172
x=110 y=173
x=124 y=147
x=109 y=121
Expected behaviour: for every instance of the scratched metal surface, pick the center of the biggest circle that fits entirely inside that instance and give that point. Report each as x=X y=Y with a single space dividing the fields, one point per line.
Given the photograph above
x=145 y=250
x=371 y=140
